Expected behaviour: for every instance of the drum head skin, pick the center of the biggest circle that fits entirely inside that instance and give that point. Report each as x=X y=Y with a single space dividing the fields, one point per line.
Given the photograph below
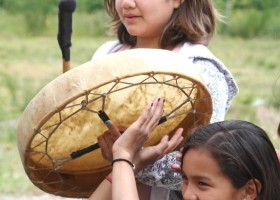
x=65 y=117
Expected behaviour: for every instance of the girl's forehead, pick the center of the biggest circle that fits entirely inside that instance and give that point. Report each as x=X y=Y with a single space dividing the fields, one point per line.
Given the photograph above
x=199 y=161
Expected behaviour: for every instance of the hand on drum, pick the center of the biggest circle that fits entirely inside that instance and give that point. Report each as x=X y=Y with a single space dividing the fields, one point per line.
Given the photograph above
x=108 y=138
x=130 y=145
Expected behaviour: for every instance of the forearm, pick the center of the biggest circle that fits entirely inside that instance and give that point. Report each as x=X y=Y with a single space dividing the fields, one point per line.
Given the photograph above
x=123 y=182
x=103 y=191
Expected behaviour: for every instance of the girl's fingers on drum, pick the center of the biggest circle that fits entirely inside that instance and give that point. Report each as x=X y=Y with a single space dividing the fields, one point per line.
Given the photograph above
x=114 y=131
x=177 y=137
x=155 y=114
x=144 y=115
x=179 y=157
x=109 y=139
x=151 y=114
x=175 y=141
x=157 y=107
x=105 y=150
x=176 y=168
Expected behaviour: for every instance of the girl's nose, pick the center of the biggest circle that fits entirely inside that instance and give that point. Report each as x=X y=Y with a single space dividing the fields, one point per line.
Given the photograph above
x=189 y=194
x=128 y=4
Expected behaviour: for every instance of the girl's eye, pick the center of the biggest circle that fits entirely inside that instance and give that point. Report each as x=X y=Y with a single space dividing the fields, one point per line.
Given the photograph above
x=202 y=184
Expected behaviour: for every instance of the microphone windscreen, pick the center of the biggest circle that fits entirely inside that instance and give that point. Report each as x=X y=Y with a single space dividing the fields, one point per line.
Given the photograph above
x=67 y=5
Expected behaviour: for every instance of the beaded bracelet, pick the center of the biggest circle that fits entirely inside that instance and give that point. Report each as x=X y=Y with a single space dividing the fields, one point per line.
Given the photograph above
x=125 y=160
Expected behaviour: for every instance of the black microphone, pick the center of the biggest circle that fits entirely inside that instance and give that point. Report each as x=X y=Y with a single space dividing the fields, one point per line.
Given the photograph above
x=66 y=8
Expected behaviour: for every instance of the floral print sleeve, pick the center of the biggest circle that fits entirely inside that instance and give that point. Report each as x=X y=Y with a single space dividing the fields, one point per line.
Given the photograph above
x=220 y=84
x=159 y=173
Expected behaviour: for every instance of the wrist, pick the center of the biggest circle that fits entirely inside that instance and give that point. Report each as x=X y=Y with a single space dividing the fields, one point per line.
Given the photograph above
x=123 y=155
x=138 y=166
x=128 y=162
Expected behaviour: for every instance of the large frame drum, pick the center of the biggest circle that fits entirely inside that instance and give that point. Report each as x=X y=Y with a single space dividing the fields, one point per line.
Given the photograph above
x=58 y=131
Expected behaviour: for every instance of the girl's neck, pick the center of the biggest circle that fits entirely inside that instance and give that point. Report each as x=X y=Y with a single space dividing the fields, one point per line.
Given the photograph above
x=154 y=44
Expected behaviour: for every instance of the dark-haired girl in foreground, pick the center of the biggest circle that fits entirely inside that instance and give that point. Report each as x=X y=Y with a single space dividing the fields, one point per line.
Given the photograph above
x=228 y=160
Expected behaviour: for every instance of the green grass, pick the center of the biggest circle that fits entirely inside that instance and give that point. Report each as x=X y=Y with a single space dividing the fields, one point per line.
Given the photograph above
x=13 y=178
x=256 y=68
x=27 y=64
x=255 y=65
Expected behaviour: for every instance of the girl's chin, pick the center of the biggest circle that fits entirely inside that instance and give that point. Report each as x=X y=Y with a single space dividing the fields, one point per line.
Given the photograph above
x=133 y=33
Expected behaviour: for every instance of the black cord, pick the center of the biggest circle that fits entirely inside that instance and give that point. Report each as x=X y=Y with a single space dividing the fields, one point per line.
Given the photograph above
x=125 y=160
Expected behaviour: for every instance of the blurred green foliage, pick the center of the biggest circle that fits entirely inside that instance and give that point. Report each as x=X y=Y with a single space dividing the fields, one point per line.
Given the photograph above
x=34 y=12
x=247 y=4
x=250 y=18
x=90 y=5
x=38 y=12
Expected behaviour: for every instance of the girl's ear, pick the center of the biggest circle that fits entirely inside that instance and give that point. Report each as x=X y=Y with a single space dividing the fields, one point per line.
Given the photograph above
x=177 y=3
x=251 y=189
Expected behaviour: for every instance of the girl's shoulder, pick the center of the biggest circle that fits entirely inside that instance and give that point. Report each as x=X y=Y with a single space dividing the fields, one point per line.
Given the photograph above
x=196 y=50
x=202 y=57
x=201 y=54
x=107 y=48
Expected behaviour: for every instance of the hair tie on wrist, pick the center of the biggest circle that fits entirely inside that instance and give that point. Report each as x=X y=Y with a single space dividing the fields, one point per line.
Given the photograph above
x=125 y=160
x=108 y=178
